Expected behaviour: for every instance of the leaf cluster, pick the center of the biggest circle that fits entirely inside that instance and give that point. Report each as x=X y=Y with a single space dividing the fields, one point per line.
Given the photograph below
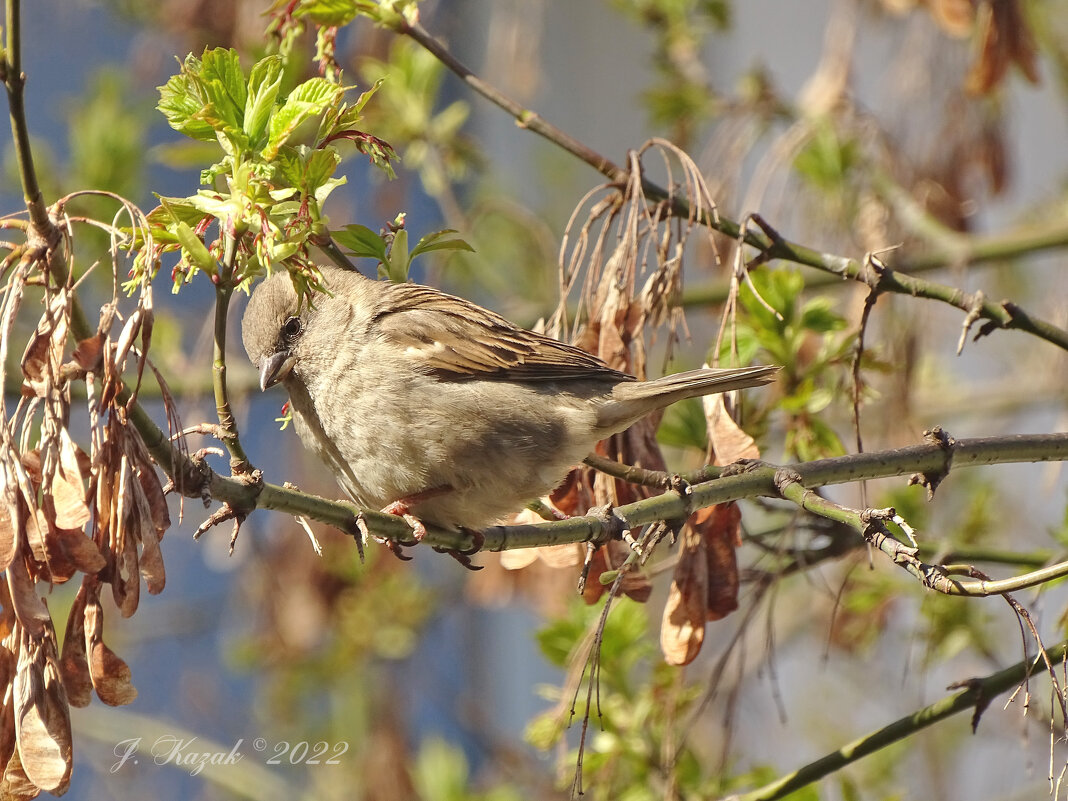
x=279 y=155
x=639 y=700
x=812 y=343
x=390 y=247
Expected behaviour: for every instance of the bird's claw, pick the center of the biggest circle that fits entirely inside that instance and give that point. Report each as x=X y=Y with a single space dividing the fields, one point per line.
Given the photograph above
x=463 y=556
x=402 y=510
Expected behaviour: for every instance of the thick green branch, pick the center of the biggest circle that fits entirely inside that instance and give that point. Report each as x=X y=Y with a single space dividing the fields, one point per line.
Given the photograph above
x=758 y=480
x=978 y=694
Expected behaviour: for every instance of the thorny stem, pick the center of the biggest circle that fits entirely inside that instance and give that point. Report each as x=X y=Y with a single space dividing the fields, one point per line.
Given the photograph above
x=656 y=479
x=842 y=539
x=978 y=694
x=869 y=523
x=224 y=290
x=758 y=480
x=998 y=314
x=971 y=250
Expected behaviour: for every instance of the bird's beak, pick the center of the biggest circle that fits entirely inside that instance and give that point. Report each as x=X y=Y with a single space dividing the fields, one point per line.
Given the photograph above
x=275 y=368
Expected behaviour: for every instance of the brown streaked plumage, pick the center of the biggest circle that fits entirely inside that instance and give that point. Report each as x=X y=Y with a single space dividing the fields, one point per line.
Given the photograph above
x=414 y=396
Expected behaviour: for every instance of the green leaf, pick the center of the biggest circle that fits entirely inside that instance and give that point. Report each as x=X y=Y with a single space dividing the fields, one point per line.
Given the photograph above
x=746 y=343
x=308 y=170
x=361 y=101
x=326 y=187
x=544 y=731
x=180 y=103
x=826 y=160
x=318 y=169
x=329 y=12
x=361 y=241
x=263 y=85
x=206 y=100
x=195 y=250
x=683 y=425
x=308 y=100
x=440 y=772
x=399 y=261
x=819 y=315
x=224 y=84
x=163 y=220
x=440 y=240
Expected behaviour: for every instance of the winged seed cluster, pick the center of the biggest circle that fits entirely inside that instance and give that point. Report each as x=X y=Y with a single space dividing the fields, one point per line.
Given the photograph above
x=68 y=515
x=629 y=253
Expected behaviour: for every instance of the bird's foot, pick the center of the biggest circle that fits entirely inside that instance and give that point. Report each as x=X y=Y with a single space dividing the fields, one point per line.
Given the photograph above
x=402 y=507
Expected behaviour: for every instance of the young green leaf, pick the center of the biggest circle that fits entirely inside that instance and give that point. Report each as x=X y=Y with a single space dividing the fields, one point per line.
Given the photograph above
x=440 y=240
x=399 y=260
x=308 y=100
x=361 y=241
x=194 y=249
x=263 y=86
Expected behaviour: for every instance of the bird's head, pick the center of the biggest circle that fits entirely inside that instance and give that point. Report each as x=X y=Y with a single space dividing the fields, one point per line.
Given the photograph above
x=273 y=328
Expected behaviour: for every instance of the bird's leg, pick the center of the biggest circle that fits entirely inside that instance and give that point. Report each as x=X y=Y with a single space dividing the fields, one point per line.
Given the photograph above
x=402 y=508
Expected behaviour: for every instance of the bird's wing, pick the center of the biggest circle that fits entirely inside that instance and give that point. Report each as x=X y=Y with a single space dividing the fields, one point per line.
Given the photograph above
x=453 y=338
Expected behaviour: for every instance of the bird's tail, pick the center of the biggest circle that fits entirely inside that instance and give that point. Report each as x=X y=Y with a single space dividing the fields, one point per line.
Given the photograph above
x=632 y=401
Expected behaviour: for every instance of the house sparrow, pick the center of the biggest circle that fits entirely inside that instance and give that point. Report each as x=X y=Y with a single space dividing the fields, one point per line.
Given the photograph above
x=424 y=404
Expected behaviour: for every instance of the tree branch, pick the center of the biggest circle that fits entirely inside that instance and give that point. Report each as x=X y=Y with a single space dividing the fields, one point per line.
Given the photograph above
x=978 y=694
x=932 y=460
x=525 y=117
x=870 y=524
x=1004 y=314
x=224 y=290
x=971 y=250
x=15 y=83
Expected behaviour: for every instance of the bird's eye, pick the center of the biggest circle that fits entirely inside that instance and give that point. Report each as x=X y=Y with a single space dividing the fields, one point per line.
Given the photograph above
x=291 y=328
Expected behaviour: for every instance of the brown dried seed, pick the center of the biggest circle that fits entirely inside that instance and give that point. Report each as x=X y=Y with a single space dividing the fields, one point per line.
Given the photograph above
x=44 y=353
x=9 y=532
x=30 y=610
x=42 y=715
x=720 y=529
x=727 y=441
x=7 y=711
x=151 y=560
x=126 y=581
x=88 y=352
x=73 y=662
x=150 y=485
x=16 y=785
x=682 y=631
x=111 y=675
